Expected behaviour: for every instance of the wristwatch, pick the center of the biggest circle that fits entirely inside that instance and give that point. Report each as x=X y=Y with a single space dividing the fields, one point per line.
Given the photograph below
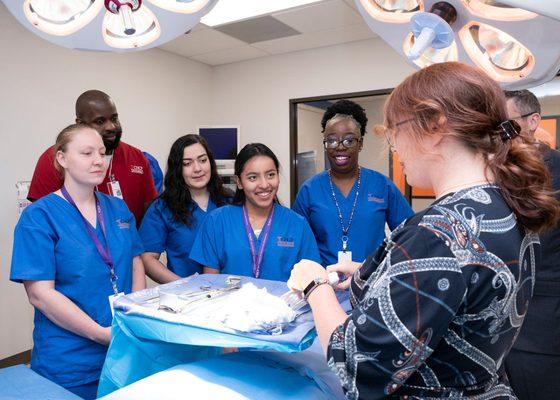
x=315 y=283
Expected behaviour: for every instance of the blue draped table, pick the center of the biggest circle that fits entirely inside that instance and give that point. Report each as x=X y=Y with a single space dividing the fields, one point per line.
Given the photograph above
x=145 y=340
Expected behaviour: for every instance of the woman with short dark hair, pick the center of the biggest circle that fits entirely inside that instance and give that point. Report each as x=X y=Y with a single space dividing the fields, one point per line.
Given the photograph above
x=347 y=206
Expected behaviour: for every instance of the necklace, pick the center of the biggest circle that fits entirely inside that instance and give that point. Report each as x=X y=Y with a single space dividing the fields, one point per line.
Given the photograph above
x=451 y=189
x=346 y=230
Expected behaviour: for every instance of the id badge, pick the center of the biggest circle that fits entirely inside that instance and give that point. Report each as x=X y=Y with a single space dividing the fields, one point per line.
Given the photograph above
x=112 y=299
x=344 y=256
x=115 y=189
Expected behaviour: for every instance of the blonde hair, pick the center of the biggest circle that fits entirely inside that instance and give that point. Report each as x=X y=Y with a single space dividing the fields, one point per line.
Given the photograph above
x=63 y=138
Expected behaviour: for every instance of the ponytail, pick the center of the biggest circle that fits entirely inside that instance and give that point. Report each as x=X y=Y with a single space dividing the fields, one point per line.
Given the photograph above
x=520 y=172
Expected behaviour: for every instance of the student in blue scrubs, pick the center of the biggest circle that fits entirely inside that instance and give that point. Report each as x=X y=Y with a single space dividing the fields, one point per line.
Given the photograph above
x=73 y=249
x=256 y=236
x=348 y=205
x=193 y=188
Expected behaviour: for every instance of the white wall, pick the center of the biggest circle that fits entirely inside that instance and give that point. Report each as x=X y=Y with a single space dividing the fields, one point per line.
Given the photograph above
x=255 y=93
x=159 y=97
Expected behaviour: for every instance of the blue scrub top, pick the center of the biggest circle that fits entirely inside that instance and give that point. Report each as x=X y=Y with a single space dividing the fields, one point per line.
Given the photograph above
x=161 y=232
x=222 y=243
x=379 y=201
x=52 y=244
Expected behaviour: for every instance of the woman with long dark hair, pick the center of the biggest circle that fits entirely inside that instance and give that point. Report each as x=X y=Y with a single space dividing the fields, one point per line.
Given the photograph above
x=193 y=188
x=256 y=236
x=439 y=305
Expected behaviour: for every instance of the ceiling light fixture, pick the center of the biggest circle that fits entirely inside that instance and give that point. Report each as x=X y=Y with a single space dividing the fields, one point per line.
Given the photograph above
x=228 y=11
x=109 y=25
x=517 y=47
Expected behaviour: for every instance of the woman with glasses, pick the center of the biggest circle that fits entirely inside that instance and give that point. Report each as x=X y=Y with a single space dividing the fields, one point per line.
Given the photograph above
x=348 y=205
x=437 y=308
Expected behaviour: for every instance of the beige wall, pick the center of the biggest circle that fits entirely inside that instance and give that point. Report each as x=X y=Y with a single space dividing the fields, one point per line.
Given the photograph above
x=309 y=133
x=159 y=97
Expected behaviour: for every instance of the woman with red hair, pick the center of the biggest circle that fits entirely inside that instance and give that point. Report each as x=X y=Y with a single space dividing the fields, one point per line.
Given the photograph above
x=438 y=306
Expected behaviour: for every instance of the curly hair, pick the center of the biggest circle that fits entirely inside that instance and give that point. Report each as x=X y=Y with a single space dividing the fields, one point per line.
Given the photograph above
x=346 y=107
x=176 y=193
x=472 y=106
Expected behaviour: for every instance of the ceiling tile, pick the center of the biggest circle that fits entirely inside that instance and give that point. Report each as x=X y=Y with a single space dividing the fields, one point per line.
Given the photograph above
x=201 y=41
x=316 y=39
x=227 y=56
x=199 y=27
x=321 y=16
x=258 y=29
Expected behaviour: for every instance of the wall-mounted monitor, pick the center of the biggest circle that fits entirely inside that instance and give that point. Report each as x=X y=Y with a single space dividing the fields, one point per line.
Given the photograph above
x=224 y=143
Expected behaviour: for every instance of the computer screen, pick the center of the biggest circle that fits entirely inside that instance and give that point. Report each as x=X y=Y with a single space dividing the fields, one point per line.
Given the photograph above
x=222 y=140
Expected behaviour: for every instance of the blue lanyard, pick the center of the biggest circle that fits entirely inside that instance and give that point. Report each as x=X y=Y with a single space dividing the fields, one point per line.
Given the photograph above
x=257 y=257
x=103 y=252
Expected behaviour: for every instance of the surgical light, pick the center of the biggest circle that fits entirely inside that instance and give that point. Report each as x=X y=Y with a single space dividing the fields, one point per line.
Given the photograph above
x=392 y=11
x=517 y=47
x=109 y=25
x=398 y=6
x=60 y=17
x=124 y=10
x=501 y=55
x=130 y=29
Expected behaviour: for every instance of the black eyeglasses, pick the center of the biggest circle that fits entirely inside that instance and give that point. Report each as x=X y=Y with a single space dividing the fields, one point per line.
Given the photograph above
x=389 y=136
x=348 y=142
x=526 y=115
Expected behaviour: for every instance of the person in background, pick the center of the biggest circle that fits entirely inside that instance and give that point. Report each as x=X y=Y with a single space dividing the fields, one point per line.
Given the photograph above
x=129 y=176
x=193 y=188
x=348 y=205
x=533 y=364
x=256 y=236
x=75 y=251
x=437 y=308
x=157 y=173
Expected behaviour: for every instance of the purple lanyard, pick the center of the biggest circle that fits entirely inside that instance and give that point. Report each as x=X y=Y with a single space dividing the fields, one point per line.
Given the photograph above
x=103 y=252
x=257 y=258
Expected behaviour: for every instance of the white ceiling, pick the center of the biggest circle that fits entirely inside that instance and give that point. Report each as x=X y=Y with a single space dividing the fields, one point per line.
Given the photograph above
x=326 y=23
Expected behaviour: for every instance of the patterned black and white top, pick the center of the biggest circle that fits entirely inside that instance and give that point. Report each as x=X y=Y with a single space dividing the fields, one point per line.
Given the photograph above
x=438 y=306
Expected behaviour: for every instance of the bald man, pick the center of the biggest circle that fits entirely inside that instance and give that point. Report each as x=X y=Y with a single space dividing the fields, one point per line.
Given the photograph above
x=533 y=364
x=128 y=176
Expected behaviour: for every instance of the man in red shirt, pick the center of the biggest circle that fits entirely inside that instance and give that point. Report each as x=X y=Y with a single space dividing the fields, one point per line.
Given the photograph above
x=128 y=177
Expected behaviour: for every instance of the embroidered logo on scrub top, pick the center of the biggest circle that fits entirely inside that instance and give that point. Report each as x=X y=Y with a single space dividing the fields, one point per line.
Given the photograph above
x=284 y=241
x=122 y=224
x=371 y=197
x=137 y=169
